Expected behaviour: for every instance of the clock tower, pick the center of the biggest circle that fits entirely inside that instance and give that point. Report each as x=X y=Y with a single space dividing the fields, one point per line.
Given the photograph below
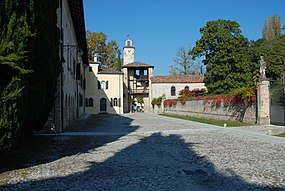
x=129 y=52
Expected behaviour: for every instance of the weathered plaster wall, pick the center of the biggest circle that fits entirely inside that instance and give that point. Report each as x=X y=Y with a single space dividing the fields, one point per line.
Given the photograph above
x=197 y=108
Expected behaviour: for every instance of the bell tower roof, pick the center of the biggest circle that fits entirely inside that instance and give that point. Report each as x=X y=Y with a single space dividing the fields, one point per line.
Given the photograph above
x=129 y=43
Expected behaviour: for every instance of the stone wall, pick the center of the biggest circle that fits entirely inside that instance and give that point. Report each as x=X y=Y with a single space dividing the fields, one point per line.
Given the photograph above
x=197 y=108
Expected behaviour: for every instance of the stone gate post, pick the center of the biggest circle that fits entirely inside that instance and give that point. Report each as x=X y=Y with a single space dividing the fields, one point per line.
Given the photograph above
x=263 y=103
x=263 y=96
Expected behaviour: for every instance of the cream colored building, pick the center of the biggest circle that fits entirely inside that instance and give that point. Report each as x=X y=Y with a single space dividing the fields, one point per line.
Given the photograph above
x=169 y=86
x=104 y=90
x=114 y=92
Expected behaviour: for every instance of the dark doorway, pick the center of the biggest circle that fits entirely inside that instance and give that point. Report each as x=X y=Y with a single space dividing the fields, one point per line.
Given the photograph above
x=103 y=105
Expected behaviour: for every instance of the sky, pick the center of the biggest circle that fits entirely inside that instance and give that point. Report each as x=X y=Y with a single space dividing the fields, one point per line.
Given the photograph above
x=159 y=27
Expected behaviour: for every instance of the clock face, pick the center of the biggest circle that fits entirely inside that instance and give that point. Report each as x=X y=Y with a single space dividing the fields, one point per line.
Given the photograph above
x=129 y=50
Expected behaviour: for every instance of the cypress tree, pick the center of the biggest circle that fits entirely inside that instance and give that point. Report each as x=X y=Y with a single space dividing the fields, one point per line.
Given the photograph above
x=29 y=65
x=14 y=68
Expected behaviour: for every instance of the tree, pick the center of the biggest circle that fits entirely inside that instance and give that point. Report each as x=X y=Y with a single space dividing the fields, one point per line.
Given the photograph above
x=140 y=100
x=271 y=28
x=96 y=42
x=273 y=52
x=111 y=53
x=228 y=63
x=29 y=66
x=183 y=63
x=119 y=62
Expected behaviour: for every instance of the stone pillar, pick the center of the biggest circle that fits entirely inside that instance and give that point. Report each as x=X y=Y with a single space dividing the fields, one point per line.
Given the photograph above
x=263 y=102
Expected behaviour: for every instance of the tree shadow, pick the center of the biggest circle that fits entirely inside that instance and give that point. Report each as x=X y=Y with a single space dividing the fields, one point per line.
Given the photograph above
x=156 y=162
x=48 y=148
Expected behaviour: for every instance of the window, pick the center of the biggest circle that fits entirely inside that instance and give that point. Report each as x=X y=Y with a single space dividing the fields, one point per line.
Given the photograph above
x=137 y=73
x=145 y=72
x=90 y=69
x=115 y=102
x=80 y=100
x=186 y=88
x=173 y=91
x=90 y=102
x=86 y=102
x=128 y=43
x=103 y=85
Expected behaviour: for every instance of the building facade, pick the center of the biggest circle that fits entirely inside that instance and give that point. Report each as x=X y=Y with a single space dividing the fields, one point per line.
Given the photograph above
x=104 y=89
x=69 y=103
x=115 y=92
x=137 y=80
x=170 y=86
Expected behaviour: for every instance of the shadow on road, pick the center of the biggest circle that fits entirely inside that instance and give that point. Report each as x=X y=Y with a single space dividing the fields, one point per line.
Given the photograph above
x=156 y=162
x=48 y=148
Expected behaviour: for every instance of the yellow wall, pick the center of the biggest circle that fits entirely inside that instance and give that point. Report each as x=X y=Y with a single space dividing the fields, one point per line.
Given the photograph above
x=115 y=90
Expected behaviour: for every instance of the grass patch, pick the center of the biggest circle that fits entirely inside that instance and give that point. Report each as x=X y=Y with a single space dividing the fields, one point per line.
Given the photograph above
x=209 y=121
x=281 y=135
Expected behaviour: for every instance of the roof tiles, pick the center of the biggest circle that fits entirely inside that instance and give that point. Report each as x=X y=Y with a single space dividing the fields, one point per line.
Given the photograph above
x=137 y=64
x=178 y=79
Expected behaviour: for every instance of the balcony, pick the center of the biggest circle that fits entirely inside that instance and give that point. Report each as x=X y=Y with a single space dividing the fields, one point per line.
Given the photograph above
x=141 y=78
x=139 y=91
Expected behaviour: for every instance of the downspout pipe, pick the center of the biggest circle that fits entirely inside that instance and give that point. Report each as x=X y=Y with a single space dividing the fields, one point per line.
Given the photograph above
x=61 y=70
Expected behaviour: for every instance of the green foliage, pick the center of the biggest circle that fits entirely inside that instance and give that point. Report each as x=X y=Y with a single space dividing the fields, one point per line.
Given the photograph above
x=277 y=96
x=28 y=65
x=156 y=101
x=14 y=37
x=247 y=94
x=97 y=45
x=273 y=52
x=140 y=100
x=226 y=55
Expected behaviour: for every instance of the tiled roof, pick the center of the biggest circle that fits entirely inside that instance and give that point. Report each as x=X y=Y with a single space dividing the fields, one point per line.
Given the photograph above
x=104 y=70
x=137 y=64
x=178 y=79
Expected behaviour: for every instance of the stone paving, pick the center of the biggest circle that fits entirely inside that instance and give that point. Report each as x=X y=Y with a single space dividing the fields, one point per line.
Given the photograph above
x=150 y=152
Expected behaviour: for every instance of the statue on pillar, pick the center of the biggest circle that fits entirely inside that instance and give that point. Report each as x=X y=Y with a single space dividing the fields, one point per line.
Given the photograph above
x=262 y=68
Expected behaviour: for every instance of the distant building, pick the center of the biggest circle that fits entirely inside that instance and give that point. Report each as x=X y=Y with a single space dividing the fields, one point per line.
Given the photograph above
x=104 y=89
x=115 y=92
x=169 y=86
x=136 y=80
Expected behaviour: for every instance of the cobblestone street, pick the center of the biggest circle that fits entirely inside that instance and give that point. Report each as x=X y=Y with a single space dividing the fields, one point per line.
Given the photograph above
x=143 y=151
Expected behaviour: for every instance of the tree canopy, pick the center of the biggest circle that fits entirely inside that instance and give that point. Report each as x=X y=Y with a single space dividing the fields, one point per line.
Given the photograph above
x=226 y=55
x=29 y=66
x=273 y=52
x=96 y=42
x=271 y=28
x=183 y=63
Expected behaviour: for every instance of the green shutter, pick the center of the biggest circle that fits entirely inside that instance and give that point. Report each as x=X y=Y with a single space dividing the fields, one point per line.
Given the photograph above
x=119 y=102
x=111 y=102
x=99 y=85
x=107 y=85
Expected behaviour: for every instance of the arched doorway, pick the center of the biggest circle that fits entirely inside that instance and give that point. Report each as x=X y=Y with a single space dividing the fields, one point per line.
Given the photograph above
x=103 y=105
